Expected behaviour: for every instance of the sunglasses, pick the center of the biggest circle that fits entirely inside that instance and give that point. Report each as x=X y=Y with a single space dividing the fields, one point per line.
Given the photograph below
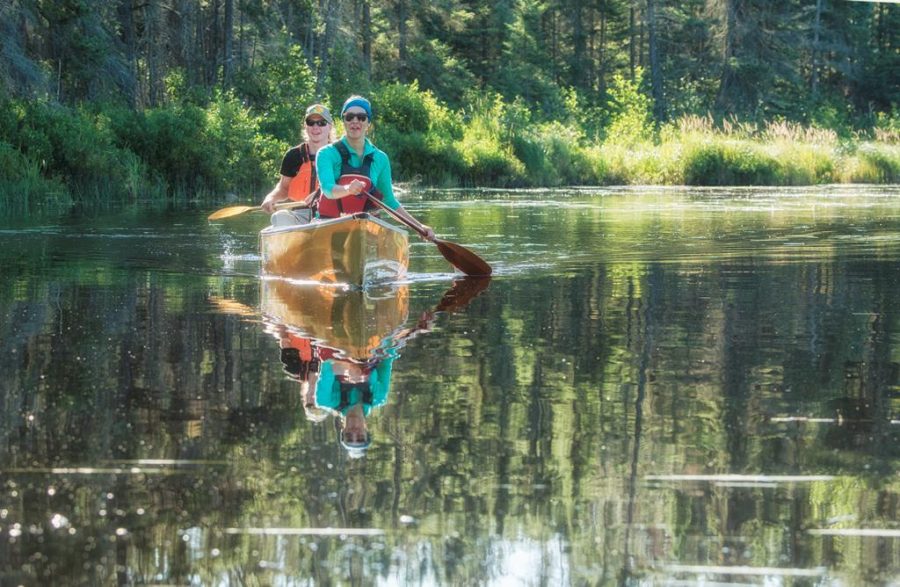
x=360 y=116
x=320 y=122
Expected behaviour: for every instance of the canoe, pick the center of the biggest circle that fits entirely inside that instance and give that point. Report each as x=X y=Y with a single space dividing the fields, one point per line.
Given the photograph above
x=358 y=250
x=356 y=324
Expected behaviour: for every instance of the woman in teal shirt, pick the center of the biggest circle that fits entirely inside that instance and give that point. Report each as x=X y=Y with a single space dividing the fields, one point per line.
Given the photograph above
x=352 y=388
x=363 y=167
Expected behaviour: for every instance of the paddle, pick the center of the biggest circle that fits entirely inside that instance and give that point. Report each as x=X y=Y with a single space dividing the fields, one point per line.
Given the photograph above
x=457 y=255
x=235 y=210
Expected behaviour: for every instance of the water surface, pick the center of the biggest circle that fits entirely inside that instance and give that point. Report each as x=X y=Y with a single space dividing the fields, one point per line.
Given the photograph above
x=657 y=386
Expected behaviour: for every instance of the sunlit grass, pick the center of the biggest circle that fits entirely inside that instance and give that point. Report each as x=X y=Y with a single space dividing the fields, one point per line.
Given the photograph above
x=695 y=151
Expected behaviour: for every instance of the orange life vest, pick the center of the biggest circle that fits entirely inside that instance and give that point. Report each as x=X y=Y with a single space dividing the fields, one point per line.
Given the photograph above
x=305 y=182
x=332 y=208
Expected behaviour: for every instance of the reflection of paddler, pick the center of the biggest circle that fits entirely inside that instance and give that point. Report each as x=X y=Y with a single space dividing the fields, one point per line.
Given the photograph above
x=302 y=362
x=352 y=388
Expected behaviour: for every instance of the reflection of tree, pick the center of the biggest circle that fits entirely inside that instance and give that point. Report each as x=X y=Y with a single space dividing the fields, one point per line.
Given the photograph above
x=529 y=420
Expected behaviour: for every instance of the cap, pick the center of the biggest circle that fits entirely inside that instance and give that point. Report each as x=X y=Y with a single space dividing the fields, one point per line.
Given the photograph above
x=321 y=111
x=360 y=102
x=356 y=450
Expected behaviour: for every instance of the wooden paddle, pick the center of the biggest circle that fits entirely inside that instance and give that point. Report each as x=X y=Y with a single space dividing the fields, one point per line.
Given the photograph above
x=235 y=210
x=457 y=255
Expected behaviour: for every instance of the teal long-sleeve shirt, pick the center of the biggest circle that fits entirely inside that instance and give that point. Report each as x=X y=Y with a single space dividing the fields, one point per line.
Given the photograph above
x=328 y=169
x=328 y=389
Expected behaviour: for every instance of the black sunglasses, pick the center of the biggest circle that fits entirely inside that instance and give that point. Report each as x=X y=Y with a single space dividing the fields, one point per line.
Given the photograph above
x=320 y=122
x=360 y=116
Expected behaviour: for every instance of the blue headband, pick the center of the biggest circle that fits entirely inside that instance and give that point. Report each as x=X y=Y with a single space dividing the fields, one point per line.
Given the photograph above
x=360 y=102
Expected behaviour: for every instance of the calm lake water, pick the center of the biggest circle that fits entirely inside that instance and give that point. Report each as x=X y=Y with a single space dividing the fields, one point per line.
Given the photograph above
x=657 y=387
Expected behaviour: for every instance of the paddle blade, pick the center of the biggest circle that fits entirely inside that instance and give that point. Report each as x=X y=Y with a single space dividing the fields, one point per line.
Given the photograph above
x=230 y=211
x=463 y=259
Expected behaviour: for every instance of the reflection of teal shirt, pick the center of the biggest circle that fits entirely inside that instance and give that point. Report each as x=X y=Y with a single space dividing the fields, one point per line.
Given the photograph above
x=328 y=388
x=328 y=169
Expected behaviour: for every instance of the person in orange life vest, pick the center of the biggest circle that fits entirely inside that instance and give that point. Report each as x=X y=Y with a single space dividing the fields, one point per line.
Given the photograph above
x=352 y=166
x=300 y=357
x=298 y=169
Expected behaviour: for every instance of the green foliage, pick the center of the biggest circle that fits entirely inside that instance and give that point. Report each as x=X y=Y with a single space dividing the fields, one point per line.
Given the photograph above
x=21 y=183
x=418 y=133
x=486 y=144
x=243 y=155
x=70 y=146
x=553 y=155
x=403 y=107
x=279 y=91
x=437 y=69
x=875 y=163
x=729 y=163
x=172 y=141
x=632 y=112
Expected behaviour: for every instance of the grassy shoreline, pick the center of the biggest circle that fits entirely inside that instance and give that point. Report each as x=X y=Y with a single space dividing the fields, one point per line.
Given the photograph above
x=51 y=156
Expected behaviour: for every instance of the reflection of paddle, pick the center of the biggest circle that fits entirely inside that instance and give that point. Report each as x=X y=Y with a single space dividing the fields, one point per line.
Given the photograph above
x=461 y=293
x=235 y=210
x=233 y=307
x=456 y=298
x=457 y=255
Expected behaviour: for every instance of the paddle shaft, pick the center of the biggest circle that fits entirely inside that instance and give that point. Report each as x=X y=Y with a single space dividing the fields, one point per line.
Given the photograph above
x=413 y=225
x=230 y=211
x=457 y=255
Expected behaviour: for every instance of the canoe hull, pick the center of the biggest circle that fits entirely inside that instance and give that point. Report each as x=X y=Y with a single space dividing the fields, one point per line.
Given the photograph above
x=353 y=323
x=358 y=251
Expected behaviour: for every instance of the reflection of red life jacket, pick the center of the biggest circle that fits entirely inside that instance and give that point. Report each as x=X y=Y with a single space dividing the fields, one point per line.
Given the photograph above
x=305 y=182
x=332 y=208
x=303 y=346
x=299 y=357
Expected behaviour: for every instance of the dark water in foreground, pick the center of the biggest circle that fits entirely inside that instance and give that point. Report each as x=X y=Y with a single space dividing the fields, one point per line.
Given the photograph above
x=657 y=387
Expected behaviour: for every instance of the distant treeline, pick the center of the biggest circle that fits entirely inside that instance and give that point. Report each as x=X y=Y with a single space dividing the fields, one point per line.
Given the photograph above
x=187 y=98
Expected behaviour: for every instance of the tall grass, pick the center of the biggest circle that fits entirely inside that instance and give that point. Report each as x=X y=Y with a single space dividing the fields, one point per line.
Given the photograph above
x=696 y=151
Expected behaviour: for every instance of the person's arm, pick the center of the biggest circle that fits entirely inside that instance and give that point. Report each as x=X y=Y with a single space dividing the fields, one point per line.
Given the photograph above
x=325 y=163
x=290 y=165
x=384 y=181
x=427 y=230
x=385 y=184
x=380 y=381
x=278 y=193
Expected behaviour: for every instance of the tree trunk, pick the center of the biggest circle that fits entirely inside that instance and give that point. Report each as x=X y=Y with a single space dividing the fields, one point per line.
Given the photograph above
x=153 y=40
x=601 y=51
x=656 y=78
x=332 y=12
x=212 y=59
x=578 y=45
x=401 y=38
x=632 y=43
x=729 y=50
x=817 y=27
x=228 y=36
x=126 y=24
x=367 y=36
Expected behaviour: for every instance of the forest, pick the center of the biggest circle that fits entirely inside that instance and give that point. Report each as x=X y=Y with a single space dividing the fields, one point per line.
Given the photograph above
x=127 y=100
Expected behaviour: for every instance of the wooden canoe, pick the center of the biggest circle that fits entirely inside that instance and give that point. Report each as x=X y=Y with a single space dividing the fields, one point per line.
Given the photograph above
x=354 y=323
x=357 y=250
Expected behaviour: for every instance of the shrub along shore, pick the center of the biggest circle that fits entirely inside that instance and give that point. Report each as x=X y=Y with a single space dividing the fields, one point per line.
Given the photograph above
x=96 y=153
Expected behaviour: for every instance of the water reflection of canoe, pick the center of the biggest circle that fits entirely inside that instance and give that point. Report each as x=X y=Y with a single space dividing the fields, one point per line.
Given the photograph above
x=355 y=323
x=356 y=250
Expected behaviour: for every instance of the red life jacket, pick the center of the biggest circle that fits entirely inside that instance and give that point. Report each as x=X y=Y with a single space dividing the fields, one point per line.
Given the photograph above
x=332 y=208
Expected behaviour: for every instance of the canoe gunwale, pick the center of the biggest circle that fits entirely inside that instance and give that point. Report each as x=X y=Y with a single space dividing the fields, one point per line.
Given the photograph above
x=315 y=224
